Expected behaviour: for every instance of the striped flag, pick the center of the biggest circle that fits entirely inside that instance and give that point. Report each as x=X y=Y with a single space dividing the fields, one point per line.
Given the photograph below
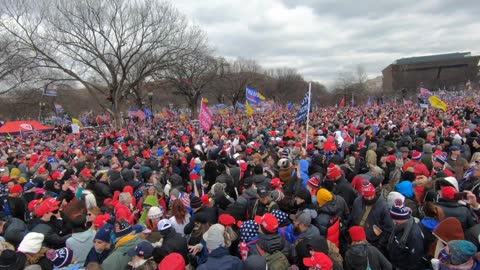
x=58 y=108
x=304 y=109
x=425 y=92
x=254 y=97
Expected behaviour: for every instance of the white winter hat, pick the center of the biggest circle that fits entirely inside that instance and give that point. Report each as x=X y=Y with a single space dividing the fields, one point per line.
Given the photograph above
x=31 y=243
x=155 y=212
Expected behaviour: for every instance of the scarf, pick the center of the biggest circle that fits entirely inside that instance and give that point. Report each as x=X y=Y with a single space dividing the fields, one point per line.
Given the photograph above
x=406 y=228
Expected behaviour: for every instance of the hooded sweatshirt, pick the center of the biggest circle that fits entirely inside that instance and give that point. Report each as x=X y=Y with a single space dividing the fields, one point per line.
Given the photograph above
x=81 y=243
x=149 y=200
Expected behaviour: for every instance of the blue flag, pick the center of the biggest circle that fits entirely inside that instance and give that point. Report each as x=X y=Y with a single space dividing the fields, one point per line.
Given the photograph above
x=290 y=106
x=304 y=109
x=148 y=113
x=254 y=97
x=369 y=102
x=241 y=106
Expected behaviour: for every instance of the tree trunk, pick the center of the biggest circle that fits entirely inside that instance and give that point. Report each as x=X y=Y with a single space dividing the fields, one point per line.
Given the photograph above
x=194 y=108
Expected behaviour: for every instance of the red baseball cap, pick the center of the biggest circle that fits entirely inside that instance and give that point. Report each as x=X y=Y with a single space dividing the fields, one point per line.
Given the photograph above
x=268 y=221
x=319 y=260
x=42 y=170
x=49 y=205
x=5 y=179
x=56 y=175
x=87 y=173
x=16 y=189
x=226 y=220
x=276 y=182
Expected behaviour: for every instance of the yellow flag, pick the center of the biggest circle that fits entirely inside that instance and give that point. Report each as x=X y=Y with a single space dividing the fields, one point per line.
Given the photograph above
x=250 y=110
x=205 y=100
x=76 y=121
x=436 y=102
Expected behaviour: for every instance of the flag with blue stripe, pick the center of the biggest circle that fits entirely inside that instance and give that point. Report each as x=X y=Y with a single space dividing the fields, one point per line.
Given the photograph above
x=254 y=97
x=290 y=106
x=241 y=106
x=304 y=109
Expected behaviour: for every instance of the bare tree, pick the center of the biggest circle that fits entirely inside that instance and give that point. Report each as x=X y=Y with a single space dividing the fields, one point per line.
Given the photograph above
x=290 y=85
x=15 y=72
x=118 y=43
x=191 y=76
x=239 y=74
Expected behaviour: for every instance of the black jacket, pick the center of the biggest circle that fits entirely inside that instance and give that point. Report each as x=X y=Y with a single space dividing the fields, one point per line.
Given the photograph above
x=271 y=243
x=14 y=230
x=335 y=208
x=228 y=180
x=461 y=212
x=203 y=215
x=52 y=239
x=94 y=256
x=356 y=258
x=174 y=242
x=379 y=215
x=344 y=188
x=411 y=256
x=17 y=206
x=102 y=191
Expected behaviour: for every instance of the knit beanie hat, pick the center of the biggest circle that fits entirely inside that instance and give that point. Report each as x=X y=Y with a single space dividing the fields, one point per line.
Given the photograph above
x=324 y=196
x=31 y=243
x=357 y=233
x=416 y=155
x=214 y=236
x=195 y=202
x=448 y=192
x=103 y=233
x=60 y=257
x=248 y=230
x=368 y=190
x=122 y=228
x=395 y=198
x=405 y=188
x=173 y=261
x=333 y=171
x=461 y=251
x=400 y=213
x=155 y=212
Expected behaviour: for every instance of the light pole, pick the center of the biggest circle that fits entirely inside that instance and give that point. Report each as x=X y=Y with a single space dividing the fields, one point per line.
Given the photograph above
x=150 y=99
x=41 y=105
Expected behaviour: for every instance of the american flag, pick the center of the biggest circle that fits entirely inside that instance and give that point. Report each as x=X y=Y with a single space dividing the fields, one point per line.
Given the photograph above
x=425 y=92
x=58 y=108
x=138 y=113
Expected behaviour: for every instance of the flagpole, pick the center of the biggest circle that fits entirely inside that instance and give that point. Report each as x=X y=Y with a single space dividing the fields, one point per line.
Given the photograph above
x=308 y=113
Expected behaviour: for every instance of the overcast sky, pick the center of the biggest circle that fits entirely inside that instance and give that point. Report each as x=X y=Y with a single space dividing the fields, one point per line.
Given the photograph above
x=324 y=37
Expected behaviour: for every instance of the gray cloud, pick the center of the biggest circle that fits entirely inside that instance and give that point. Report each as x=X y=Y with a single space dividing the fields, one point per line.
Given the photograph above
x=324 y=37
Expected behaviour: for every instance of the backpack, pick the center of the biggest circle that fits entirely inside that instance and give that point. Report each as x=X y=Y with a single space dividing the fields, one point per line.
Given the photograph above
x=275 y=261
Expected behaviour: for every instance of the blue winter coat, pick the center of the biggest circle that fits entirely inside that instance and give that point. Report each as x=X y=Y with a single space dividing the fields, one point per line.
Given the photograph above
x=219 y=259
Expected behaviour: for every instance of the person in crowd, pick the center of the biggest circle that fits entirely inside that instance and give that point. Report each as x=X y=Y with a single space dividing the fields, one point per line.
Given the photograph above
x=141 y=255
x=171 y=240
x=218 y=256
x=179 y=216
x=101 y=245
x=45 y=211
x=370 y=211
x=125 y=241
x=361 y=255
x=405 y=243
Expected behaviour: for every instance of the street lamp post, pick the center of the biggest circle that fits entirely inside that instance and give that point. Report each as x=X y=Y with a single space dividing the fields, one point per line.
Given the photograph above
x=150 y=99
x=41 y=105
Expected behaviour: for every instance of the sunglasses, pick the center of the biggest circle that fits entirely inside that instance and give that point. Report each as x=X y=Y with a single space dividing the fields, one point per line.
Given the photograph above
x=55 y=211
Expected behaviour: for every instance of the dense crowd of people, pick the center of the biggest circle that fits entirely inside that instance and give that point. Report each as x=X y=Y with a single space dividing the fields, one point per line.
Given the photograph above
x=386 y=186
